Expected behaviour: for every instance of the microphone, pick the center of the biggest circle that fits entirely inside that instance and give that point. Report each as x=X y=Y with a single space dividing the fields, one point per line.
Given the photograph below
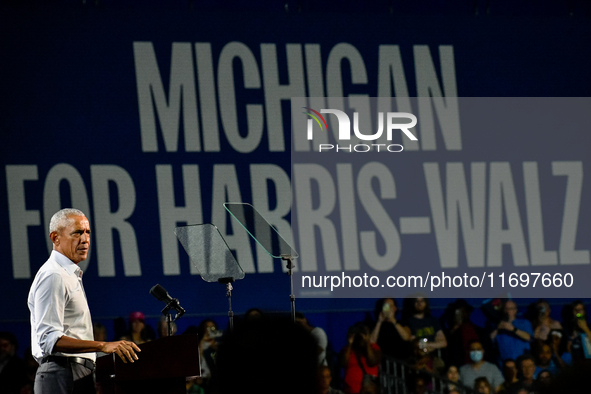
x=160 y=293
x=171 y=303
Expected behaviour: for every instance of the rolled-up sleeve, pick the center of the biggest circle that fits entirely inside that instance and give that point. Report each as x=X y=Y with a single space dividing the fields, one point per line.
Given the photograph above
x=49 y=303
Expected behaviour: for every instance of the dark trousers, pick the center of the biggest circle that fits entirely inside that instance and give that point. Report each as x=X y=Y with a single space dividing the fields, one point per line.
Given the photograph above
x=63 y=378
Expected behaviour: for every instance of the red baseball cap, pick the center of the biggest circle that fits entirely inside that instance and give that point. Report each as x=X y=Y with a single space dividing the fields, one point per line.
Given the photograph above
x=133 y=316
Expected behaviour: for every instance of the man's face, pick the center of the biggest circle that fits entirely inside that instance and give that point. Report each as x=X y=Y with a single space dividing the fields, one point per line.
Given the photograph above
x=73 y=240
x=420 y=305
x=579 y=308
x=545 y=355
x=476 y=346
x=6 y=348
x=510 y=370
x=528 y=368
x=511 y=309
x=325 y=379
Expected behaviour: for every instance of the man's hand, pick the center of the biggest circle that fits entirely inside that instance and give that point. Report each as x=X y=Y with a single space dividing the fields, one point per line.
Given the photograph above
x=505 y=325
x=124 y=349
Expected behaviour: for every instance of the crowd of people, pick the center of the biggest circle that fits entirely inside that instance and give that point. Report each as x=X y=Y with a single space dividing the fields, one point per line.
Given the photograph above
x=269 y=354
x=509 y=354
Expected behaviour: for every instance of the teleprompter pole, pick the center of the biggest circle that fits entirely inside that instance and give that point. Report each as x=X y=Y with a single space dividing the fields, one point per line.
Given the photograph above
x=289 y=265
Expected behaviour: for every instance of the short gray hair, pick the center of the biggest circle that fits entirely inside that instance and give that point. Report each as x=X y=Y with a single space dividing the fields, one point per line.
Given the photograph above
x=60 y=219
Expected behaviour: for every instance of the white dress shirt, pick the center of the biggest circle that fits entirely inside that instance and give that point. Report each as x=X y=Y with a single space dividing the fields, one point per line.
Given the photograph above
x=58 y=307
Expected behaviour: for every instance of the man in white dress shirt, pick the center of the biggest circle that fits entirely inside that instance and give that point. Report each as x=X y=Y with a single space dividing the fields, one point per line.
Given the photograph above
x=61 y=327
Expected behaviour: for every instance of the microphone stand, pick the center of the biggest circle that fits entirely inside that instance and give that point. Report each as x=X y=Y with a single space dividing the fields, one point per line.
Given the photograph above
x=228 y=282
x=169 y=324
x=173 y=304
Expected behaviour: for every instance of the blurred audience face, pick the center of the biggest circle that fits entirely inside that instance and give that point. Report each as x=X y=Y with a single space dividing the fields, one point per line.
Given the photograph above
x=324 y=379
x=483 y=388
x=391 y=306
x=100 y=333
x=476 y=352
x=528 y=368
x=453 y=374
x=420 y=386
x=545 y=378
x=461 y=315
x=511 y=309
x=252 y=315
x=420 y=305
x=579 y=309
x=7 y=349
x=545 y=355
x=137 y=326
x=509 y=371
x=544 y=306
x=210 y=327
x=369 y=389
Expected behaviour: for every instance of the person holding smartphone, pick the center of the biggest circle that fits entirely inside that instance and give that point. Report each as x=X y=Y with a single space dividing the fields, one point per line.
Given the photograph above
x=389 y=334
x=512 y=335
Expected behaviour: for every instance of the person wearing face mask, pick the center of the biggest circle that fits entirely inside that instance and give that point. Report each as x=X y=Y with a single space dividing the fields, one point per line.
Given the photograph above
x=478 y=367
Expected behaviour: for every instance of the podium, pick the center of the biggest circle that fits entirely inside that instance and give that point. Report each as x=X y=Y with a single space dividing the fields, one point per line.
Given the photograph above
x=163 y=367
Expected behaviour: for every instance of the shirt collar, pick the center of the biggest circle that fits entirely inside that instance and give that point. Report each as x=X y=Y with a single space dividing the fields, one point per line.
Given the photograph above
x=67 y=264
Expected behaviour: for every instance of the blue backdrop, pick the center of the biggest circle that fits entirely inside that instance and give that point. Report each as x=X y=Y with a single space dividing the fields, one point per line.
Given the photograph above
x=133 y=114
